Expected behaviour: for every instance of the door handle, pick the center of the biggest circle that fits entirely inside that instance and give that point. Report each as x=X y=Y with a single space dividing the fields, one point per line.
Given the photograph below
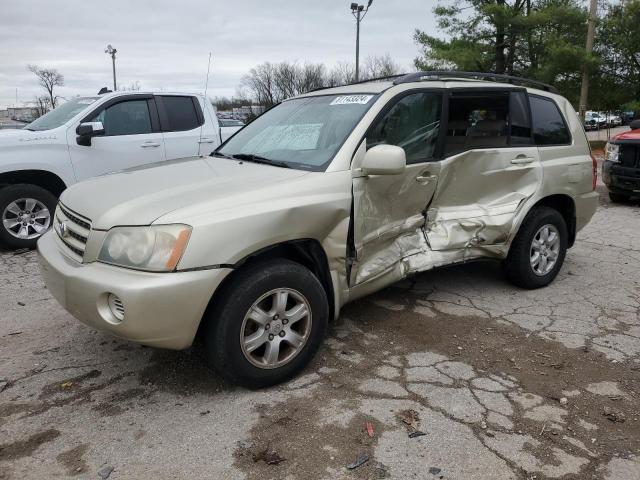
x=425 y=177
x=206 y=140
x=522 y=160
x=150 y=144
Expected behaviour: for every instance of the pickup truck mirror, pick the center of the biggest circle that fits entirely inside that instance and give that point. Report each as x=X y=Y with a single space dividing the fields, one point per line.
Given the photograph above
x=87 y=130
x=635 y=125
x=384 y=160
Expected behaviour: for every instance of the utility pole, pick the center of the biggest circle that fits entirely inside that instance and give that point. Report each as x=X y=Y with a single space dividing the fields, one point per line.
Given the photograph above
x=591 y=32
x=112 y=51
x=359 y=11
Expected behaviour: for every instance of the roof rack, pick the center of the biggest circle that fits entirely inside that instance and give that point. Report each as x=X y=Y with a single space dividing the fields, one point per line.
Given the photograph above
x=452 y=74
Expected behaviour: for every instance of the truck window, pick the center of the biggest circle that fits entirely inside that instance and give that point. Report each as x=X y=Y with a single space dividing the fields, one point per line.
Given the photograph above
x=413 y=123
x=130 y=117
x=549 y=127
x=181 y=114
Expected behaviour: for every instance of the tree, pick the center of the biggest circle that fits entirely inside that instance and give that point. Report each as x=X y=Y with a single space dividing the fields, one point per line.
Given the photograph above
x=538 y=39
x=49 y=78
x=379 y=66
x=271 y=83
x=42 y=104
x=618 y=45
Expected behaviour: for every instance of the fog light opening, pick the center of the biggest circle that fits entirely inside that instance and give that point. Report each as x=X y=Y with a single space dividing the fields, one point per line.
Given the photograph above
x=116 y=306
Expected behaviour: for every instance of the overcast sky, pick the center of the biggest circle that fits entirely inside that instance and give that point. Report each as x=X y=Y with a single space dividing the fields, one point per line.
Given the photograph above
x=165 y=44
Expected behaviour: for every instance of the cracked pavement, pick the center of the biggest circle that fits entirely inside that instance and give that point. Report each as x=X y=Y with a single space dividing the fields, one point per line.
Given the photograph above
x=455 y=373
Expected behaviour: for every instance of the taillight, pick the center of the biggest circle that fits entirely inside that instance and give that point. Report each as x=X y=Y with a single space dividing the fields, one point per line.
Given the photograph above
x=594 y=177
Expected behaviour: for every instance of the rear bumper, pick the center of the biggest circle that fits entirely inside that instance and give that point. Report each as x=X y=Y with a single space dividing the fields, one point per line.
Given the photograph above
x=586 y=206
x=619 y=179
x=160 y=309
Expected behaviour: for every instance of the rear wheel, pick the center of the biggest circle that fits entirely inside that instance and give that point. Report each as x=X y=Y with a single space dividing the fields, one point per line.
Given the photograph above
x=268 y=324
x=537 y=253
x=27 y=213
x=619 y=197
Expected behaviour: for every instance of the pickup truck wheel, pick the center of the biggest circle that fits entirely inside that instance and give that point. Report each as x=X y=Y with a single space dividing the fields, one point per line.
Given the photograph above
x=270 y=321
x=537 y=253
x=618 y=197
x=27 y=213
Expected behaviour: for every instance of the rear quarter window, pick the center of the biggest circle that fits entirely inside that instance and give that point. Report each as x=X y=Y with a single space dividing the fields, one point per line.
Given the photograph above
x=181 y=113
x=549 y=126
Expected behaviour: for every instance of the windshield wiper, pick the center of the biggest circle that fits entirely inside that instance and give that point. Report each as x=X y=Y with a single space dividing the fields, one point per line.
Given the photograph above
x=250 y=157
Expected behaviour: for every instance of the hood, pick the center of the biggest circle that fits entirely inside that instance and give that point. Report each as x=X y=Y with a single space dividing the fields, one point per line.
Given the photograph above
x=630 y=135
x=16 y=136
x=140 y=196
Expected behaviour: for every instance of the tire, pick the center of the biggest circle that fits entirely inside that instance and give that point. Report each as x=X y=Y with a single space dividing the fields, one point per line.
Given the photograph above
x=618 y=197
x=518 y=266
x=226 y=320
x=14 y=202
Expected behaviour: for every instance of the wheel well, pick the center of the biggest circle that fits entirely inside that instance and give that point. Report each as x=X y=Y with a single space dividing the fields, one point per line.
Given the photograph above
x=47 y=180
x=565 y=205
x=306 y=252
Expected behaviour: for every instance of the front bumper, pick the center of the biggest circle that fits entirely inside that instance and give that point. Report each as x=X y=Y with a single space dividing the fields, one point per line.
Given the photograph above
x=160 y=309
x=621 y=179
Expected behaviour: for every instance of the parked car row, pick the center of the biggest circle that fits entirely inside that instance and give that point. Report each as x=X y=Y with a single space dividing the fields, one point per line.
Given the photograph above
x=598 y=120
x=325 y=198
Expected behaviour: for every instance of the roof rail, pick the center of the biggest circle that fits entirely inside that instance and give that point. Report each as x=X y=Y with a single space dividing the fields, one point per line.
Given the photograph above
x=453 y=74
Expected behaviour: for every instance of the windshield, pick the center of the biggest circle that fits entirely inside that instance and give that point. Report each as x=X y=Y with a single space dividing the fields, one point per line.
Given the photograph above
x=303 y=133
x=61 y=115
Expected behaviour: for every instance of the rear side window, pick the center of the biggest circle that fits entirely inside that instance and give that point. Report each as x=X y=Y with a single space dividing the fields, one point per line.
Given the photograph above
x=549 y=127
x=181 y=114
x=412 y=123
x=477 y=122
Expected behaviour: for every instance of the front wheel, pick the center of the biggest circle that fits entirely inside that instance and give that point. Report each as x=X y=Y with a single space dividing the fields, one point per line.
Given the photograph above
x=27 y=213
x=267 y=324
x=537 y=253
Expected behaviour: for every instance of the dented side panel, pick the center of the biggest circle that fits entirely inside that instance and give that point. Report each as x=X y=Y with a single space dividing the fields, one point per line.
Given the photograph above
x=479 y=194
x=470 y=205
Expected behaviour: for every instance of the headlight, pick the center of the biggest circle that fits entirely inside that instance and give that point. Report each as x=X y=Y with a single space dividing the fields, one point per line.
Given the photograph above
x=156 y=248
x=612 y=152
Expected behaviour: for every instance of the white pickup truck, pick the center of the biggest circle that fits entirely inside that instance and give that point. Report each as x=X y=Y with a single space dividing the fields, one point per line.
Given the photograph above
x=90 y=136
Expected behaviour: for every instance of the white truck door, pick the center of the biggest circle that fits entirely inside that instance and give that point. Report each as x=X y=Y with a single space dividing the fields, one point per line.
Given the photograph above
x=132 y=137
x=185 y=123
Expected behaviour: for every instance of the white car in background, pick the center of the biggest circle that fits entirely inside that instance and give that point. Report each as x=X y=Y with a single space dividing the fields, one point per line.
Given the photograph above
x=228 y=127
x=91 y=136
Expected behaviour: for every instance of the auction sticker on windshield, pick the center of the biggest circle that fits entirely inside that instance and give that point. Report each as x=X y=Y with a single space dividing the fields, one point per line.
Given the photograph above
x=352 y=99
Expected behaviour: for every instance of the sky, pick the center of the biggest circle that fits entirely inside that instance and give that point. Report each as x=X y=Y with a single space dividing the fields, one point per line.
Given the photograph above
x=165 y=45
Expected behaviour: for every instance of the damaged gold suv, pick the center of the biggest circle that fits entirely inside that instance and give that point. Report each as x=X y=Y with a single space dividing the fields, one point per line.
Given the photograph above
x=325 y=198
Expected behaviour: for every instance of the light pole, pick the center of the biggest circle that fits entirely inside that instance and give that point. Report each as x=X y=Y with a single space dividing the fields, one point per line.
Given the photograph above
x=112 y=51
x=359 y=11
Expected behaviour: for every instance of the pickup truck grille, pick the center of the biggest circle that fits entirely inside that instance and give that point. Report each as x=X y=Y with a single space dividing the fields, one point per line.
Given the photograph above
x=72 y=230
x=630 y=155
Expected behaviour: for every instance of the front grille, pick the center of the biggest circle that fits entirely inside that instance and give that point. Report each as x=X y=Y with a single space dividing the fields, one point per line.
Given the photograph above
x=630 y=155
x=73 y=231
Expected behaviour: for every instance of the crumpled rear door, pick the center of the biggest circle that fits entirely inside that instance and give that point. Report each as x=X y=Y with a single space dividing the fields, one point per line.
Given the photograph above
x=478 y=196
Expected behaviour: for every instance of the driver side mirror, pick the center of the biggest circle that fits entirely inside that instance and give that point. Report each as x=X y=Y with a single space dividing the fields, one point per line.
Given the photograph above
x=87 y=130
x=635 y=125
x=384 y=160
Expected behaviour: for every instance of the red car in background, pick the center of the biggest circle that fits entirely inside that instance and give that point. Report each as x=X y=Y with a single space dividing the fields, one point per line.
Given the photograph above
x=621 y=167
